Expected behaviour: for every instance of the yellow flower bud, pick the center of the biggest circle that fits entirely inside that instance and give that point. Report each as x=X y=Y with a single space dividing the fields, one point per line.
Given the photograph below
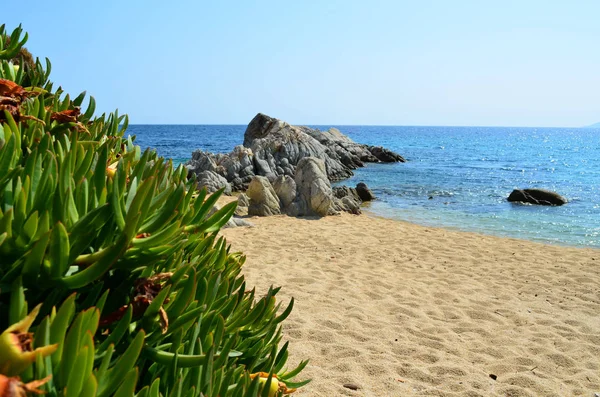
x=16 y=350
x=263 y=377
x=112 y=169
x=13 y=387
x=275 y=387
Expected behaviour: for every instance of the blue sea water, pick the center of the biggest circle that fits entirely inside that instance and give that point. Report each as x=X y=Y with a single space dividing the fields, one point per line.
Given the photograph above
x=455 y=177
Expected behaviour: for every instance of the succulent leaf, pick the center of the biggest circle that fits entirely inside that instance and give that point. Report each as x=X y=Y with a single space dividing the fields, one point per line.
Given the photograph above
x=135 y=292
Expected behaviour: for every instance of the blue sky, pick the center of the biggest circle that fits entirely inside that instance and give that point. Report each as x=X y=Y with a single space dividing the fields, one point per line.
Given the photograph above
x=509 y=63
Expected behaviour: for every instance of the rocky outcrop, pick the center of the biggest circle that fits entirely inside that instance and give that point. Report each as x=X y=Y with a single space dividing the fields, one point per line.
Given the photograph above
x=385 y=155
x=243 y=200
x=345 y=191
x=263 y=199
x=348 y=204
x=351 y=154
x=201 y=161
x=274 y=148
x=236 y=167
x=364 y=193
x=278 y=148
x=242 y=205
x=289 y=169
x=237 y=222
x=285 y=188
x=350 y=199
x=537 y=196
x=313 y=190
x=309 y=194
x=213 y=182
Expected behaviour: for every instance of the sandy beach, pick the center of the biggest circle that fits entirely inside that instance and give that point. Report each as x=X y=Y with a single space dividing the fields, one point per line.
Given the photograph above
x=397 y=309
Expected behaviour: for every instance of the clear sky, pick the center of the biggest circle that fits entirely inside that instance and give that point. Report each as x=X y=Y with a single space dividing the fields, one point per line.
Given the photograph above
x=490 y=63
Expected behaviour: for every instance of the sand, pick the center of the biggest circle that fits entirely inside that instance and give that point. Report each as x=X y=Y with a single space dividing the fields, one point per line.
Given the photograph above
x=404 y=310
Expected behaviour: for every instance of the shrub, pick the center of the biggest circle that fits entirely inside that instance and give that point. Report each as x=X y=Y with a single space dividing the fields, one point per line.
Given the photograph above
x=113 y=280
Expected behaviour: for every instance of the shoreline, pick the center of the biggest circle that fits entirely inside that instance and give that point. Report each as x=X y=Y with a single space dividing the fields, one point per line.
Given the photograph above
x=491 y=233
x=397 y=308
x=366 y=211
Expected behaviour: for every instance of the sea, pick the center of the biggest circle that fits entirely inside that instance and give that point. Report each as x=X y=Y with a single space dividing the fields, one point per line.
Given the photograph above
x=454 y=177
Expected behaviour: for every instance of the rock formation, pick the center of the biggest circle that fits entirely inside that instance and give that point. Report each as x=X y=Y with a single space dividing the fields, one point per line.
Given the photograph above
x=242 y=205
x=274 y=148
x=263 y=199
x=243 y=200
x=285 y=188
x=234 y=221
x=344 y=191
x=237 y=167
x=537 y=196
x=348 y=204
x=309 y=194
x=289 y=169
x=385 y=155
x=364 y=193
x=213 y=182
x=348 y=198
x=313 y=190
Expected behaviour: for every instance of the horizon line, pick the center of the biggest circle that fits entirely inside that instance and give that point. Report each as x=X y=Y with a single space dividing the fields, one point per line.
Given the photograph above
x=373 y=125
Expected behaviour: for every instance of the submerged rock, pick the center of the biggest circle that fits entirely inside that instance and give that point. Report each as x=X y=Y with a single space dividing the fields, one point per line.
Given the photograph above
x=364 y=193
x=536 y=196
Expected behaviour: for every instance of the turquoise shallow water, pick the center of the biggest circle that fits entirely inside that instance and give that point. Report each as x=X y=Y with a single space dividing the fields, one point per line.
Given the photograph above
x=455 y=177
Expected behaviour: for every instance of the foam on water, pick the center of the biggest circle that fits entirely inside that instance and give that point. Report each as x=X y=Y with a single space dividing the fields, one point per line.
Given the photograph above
x=456 y=177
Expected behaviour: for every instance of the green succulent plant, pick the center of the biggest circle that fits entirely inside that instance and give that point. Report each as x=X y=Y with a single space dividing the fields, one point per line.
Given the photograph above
x=134 y=292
